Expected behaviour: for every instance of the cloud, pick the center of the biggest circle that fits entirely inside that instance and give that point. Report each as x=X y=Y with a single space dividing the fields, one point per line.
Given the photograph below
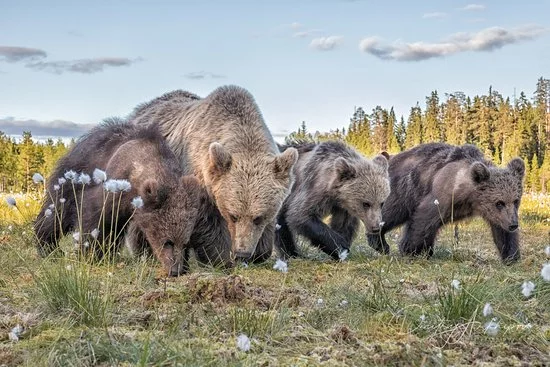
x=326 y=43
x=434 y=15
x=198 y=75
x=55 y=128
x=488 y=39
x=473 y=7
x=306 y=33
x=83 y=66
x=15 y=54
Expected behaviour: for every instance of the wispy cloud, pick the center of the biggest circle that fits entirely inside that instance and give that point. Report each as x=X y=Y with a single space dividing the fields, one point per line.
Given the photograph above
x=434 y=15
x=83 y=66
x=196 y=75
x=16 y=54
x=473 y=7
x=56 y=128
x=326 y=43
x=306 y=33
x=488 y=39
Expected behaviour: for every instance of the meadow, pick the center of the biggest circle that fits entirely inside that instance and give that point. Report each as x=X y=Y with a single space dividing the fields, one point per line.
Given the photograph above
x=369 y=310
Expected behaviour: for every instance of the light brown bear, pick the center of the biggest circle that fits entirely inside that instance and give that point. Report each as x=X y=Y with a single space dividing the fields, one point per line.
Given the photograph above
x=230 y=150
x=332 y=179
x=434 y=184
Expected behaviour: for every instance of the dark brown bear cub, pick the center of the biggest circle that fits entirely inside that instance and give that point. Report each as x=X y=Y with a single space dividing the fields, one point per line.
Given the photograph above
x=435 y=184
x=137 y=180
x=332 y=179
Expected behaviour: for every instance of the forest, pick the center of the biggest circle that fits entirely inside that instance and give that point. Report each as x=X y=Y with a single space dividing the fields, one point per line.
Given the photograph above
x=502 y=127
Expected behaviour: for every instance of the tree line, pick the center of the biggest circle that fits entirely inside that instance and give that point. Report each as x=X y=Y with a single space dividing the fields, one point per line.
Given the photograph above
x=502 y=128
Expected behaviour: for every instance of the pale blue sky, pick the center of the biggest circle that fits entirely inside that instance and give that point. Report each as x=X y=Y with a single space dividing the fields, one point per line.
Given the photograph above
x=312 y=60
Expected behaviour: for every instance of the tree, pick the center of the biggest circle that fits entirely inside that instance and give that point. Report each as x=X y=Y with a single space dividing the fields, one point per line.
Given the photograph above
x=300 y=136
x=433 y=130
x=414 y=135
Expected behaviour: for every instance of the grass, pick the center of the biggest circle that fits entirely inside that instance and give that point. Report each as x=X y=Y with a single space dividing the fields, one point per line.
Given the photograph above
x=370 y=310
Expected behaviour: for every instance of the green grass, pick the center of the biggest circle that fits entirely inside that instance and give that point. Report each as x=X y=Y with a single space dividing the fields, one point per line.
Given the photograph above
x=370 y=310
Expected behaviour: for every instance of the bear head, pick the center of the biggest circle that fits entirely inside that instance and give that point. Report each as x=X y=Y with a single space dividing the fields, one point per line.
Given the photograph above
x=361 y=187
x=168 y=218
x=249 y=189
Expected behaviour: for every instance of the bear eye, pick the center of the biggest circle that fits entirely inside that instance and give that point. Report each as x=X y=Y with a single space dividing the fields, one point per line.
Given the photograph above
x=366 y=205
x=168 y=245
x=233 y=218
x=500 y=204
x=258 y=220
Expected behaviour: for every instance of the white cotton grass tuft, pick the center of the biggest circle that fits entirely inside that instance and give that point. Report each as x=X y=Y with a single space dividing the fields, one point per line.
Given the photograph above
x=320 y=302
x=137 y=202
x=382 y=224
x=10 y=200
x=545 y=272
x=277 y=226
x=110 y=186
x=492 y=327
x=95 y=233
x=123 y=185
x=48 y=213
x=281 y=265
x=527 y=288
x=436 y=202
x=455 y=284
x=243 y=343
x=343 y=255
x=62 y=200
x=99 y=176
x=37 y=178
x=84 y=179
x=547 y=250
x=61 y=180
x=76 y=236
x=51 y=206
x=56 y=187
x=71 y=176
x=15 y=333
x=487 y=310
x=343 y=303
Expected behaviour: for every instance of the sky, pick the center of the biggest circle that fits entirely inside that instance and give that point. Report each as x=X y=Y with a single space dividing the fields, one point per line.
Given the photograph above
x=66 y=65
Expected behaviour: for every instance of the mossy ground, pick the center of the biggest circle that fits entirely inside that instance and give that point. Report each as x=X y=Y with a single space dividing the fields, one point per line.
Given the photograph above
x=368 y=310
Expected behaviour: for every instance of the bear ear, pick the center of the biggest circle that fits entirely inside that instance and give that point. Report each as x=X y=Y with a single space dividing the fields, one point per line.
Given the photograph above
x=284 y=162
x=385 y=154
x=517 y=166
x=344 y=170
x=220 y=159
x=382 y=160
x=152 y=194
x=480 y=172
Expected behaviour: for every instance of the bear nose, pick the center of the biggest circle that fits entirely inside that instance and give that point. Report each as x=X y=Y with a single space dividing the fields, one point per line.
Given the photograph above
x=375 y=230
x=513 y=227
x=243 y=255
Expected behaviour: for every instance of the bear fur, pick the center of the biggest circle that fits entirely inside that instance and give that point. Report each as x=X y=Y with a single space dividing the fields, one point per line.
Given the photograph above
x=171 y=220
x=437 y=183
x=333 y=179
x=228 y=147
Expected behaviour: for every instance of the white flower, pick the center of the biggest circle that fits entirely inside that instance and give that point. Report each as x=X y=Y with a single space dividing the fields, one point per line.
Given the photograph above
x=110 y=186
x=382 y=224
x=545 y=272
x=51 y=206
x=86 y=244
x=47 y=213
x=61 y=180
x=455 y=284
x=95 y=233
x=343 y=255
x=11 y=201
x=528 y=326
x=69 y=267
x=15 y=333
x=27 y=204
x=37 y=178
x=320 y=301
x=244 y=264
x=527 y=288
x=84 y=179
x=487 y=310
x=76 y=236
x=492 y=328
x=343 y=303
x=243 y=343
x=422 y=318
x=99 y=176
x=137 y=202
x=71 y=176
x=277 y=226
x=56 y=187
x=24 y=233
x=123 y=185
x=62 y=200
x=281 y=266
x=547 y=250
x=436 y=202
x=10 y=227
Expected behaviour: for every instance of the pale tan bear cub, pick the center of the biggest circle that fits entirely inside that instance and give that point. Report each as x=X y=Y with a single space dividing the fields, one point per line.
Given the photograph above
x=333 y=179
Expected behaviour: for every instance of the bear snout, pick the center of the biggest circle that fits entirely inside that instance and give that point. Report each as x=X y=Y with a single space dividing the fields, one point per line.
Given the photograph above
x=176 y=270
x=513 y=227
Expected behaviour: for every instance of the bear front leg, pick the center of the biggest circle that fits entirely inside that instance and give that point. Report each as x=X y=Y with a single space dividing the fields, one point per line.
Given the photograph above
x=284 y=240
x=345 y=224
x=378 y=242
x=421 y=230
x=135 y=241
x=264 y=249
x=507 y=244
x=323 y=237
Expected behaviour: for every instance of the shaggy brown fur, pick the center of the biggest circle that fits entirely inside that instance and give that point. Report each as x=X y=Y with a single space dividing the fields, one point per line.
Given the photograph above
x=464 y=185
x=173 y=209
x=232 y=153
x=332 y=179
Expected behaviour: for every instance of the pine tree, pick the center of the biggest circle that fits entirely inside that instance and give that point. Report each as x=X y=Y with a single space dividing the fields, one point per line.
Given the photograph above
x=401 y=133
x=414 y=135
x=433 y=131
x=534 y=175
x=393 y=145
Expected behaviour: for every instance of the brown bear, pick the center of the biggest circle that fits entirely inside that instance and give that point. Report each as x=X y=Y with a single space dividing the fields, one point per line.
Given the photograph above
x=146 y=189
x=435 y=184
x=333 y=179
x=230 y=150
